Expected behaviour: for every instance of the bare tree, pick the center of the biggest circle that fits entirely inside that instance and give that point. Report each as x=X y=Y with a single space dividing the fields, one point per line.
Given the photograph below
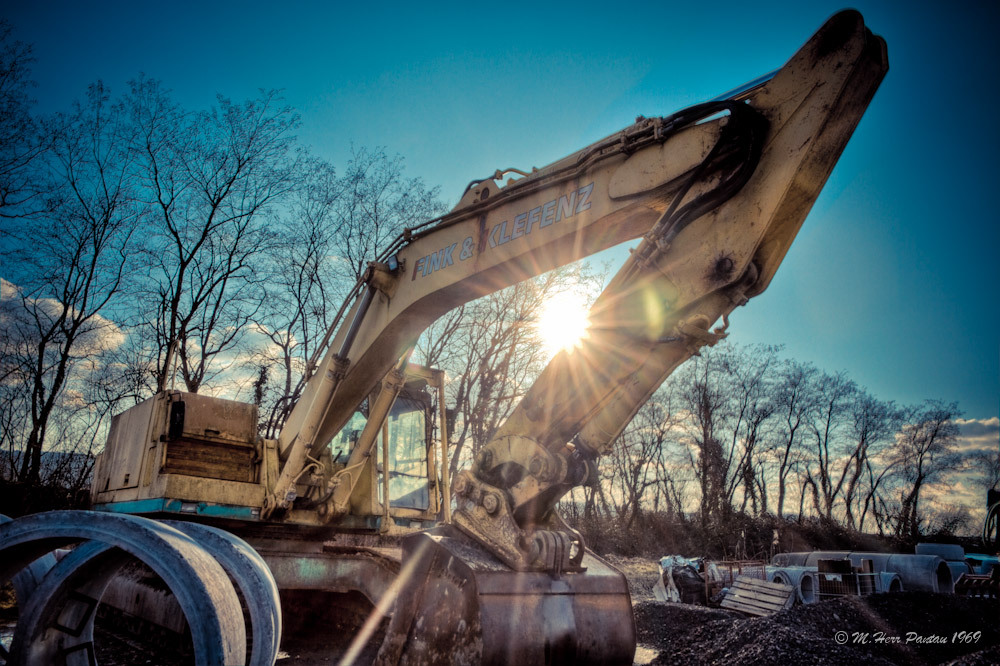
x=871 y=427
x=706 y=399
x=750 y=380
x=376 y=203
x=982 y=463
x=727 y=395
x=68 y=263
x=212 y=179
x=77 y=426
x=985 y=467
x=794 y=399
x=20 y=143
x=879 y=472
x=492 y=351
x=834 y=395
x=303 y=294
x=332 y=228
x=635 y=456
x=925 y=450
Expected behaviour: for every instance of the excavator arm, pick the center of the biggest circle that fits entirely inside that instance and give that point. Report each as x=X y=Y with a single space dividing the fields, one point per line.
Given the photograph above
x=496 y=237
x=716 y=193
x=704 y=257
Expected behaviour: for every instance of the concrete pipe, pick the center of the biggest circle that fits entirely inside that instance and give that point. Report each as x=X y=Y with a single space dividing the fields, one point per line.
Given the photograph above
x=93 y=568
x=199 y=582
x=803 y=579
x=30 y=577
x=58 y=619
x=889 y=581
x=925 y=573
x=949 y=552
x=253 y=579
x=958 y=568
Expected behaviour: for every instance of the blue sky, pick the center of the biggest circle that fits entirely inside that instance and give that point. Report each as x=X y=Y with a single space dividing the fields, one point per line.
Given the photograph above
x=893 y=274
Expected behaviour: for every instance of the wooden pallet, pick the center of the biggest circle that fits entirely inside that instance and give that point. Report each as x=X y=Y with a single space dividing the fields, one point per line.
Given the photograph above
x=758 y=597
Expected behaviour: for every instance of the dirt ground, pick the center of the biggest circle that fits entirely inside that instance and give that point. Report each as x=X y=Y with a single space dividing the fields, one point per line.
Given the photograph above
x=928 y=627
x=911 y=628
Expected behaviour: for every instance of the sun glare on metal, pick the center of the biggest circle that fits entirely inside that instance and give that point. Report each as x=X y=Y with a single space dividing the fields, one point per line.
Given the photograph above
x=563 y=322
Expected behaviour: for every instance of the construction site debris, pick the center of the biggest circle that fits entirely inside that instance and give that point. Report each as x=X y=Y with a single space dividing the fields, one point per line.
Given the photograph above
x=680 y=581
x=926 y=573
x=979 y=585
x=758 y=597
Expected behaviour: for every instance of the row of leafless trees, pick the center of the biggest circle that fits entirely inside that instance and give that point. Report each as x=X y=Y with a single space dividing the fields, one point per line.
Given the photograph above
x=740 y=429
x=146 y=244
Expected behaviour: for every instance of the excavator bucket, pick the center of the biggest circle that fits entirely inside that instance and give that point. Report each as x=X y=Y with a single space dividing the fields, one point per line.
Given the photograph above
x=460 y=605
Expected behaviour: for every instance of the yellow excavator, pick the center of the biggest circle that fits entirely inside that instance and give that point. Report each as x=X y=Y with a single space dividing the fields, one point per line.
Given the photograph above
x=354 y=495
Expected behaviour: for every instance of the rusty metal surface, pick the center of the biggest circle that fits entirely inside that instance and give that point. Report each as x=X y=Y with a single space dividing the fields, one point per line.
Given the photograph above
x=369 y=571
x=462 y=605
x=209 y=418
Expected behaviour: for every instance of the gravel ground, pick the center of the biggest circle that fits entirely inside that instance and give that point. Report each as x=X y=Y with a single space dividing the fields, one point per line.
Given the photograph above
x=641 y=574
x=909 y=628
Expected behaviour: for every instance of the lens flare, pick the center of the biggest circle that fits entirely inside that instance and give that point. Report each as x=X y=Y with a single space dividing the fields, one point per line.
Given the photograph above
x=563 y=322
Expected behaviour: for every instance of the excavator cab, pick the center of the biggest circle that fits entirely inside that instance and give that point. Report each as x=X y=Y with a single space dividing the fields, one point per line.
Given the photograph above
x=393 y=446
x=407 y=433
x=193 y=454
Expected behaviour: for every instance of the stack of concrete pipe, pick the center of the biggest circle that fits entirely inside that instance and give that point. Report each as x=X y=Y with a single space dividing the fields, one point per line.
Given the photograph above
x=803 y=579
x=889 y=581
x=951 y=553
x=928 y=573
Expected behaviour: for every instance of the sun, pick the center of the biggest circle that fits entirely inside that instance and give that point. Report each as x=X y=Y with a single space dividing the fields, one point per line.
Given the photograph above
x=563 y=322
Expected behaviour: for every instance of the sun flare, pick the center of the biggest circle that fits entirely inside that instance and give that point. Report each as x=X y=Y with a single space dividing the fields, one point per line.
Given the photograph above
x=563 y=322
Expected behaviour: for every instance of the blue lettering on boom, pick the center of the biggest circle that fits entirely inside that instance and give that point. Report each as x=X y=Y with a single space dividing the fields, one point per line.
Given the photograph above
x=542 y=216
x=525 y=222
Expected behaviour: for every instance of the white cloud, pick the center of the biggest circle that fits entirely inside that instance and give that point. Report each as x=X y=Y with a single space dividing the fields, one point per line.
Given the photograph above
x=978 y=435
x=16 y=321
x=966 y=487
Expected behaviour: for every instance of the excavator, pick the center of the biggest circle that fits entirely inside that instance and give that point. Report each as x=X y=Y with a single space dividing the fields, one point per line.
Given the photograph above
x=354 y=495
